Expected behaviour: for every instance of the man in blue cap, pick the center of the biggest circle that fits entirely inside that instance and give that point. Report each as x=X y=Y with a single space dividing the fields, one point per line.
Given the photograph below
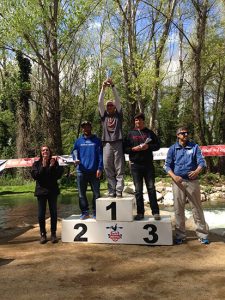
x=87 y=157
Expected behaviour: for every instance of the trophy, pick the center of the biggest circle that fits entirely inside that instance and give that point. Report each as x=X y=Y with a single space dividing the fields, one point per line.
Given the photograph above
x=148 y=140
x=108 y=72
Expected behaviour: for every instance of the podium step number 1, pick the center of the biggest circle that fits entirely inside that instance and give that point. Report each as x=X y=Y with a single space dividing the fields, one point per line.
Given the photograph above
x=114 y=224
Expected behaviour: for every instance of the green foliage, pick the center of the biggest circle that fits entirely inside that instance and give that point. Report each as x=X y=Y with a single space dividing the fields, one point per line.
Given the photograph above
x=212 y=179
x=89 y=37
x=7 y=134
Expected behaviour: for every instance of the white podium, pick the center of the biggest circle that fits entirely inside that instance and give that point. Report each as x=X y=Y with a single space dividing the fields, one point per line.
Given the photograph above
x=115 y=209
x=145 y=232
x=115 y=224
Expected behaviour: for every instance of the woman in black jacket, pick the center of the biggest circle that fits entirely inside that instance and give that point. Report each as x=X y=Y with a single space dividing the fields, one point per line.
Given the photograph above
x=46 y=171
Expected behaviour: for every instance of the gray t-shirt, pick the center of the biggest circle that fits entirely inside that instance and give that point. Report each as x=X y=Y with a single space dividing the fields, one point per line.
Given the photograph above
x=112 y=127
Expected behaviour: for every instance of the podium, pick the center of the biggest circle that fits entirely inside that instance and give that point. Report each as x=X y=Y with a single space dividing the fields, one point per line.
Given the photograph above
x=115 y=224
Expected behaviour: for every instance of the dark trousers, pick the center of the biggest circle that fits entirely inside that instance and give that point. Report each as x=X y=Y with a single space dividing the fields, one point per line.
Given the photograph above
x=52 y=204
x=145 y=173
x=83 y=179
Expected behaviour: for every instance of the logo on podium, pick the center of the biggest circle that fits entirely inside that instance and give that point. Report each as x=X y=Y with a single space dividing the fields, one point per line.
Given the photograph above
x=114 y=235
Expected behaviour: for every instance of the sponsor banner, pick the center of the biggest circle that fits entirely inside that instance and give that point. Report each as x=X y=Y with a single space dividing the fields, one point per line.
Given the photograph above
x=64 y=160
x=160 y=154
x=214 y=150
x=20 y=162
x=2 y=164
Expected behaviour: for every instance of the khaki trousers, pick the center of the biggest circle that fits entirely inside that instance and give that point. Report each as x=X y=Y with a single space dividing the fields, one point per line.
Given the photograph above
x=189 y=189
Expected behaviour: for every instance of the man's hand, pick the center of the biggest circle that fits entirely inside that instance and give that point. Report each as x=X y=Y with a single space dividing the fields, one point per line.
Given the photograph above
x=110 y=82
x=140 y=147
x=98 y=174
x=177 y=179
x=76 y=162
x=106 y=83
x=193 y=174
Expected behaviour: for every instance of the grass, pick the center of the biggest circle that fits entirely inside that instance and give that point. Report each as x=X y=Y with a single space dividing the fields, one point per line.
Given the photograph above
x=18 y=185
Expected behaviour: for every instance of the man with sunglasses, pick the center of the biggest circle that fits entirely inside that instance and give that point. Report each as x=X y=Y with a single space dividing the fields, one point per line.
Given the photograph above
x=113 y=157
x=183 y=163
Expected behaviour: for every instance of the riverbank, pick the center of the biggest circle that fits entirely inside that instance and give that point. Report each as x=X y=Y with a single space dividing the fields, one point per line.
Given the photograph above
x=29 y=270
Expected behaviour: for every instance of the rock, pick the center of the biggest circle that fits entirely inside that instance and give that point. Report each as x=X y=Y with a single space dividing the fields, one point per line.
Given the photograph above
x=216 y=196
x=159 y=196
x=203 y=197
x=160 y=189
x=168 y=199
x=168 y=189
x=216 y=189
x=159 y=183
x=129 y=189
x=145 y=196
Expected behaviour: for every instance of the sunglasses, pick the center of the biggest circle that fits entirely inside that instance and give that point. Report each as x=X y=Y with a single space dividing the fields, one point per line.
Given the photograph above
x=184 y=133
x=109 y=105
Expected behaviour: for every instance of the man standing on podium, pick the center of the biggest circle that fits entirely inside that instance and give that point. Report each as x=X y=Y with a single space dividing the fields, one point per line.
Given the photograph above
x=87 y=157
x=139 y=144
x=112 y=140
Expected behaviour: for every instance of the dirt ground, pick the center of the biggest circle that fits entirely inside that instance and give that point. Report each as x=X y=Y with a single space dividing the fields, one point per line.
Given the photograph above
x=29 y=270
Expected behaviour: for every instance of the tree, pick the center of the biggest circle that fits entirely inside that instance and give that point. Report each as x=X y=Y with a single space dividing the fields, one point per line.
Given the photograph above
x=23 y=109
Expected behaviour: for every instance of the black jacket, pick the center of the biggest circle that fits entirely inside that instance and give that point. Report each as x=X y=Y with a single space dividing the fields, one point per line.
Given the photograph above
x=46 y=178
x=136 y=137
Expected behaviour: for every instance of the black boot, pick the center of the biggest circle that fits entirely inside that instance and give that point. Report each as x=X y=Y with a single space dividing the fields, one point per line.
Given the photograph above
x=43 y=239
x=54 y=238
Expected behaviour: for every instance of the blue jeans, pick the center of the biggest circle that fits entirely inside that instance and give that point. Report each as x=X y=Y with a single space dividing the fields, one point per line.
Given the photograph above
x=52 y=204
x=82 y=182
x=144 y=172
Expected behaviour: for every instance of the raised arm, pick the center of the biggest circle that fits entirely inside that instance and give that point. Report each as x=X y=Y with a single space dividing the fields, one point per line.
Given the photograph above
x=115 y=94
x=101 y=106
x=117 y=99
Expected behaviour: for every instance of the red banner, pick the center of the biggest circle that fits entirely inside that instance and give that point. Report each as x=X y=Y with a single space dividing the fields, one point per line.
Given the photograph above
x=215 y=150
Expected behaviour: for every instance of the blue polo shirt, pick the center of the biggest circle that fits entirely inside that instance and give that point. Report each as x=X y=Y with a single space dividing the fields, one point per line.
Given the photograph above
x=181 y=160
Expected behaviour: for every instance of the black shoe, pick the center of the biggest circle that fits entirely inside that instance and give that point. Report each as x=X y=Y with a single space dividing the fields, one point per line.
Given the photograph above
x=112 y=195
x=139 y=217
x=119 y=195
x=157 y=217
x=43 y=239
x=54 y=238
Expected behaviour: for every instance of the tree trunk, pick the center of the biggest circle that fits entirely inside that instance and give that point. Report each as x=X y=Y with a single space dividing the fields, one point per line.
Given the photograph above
x=153 y=124
x=52 y=110
x=198 y=88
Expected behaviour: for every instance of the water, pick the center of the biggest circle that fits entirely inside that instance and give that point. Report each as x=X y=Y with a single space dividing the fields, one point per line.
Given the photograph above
x=21 y=209
x=214 y=215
